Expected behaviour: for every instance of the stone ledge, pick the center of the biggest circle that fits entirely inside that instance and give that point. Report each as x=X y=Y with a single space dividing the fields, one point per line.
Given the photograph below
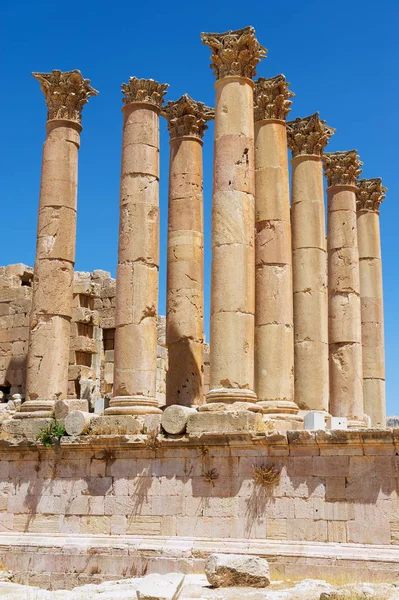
x=364 y=442
x=31 y=555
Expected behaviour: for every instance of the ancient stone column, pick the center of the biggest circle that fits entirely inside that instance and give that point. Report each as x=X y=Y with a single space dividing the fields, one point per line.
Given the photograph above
x=135 y=357
x=48 y=352
x=185 y=269
x=274 y=328
x=369 y=195
x=307 y=138
x=344 y=313
x=235 y=55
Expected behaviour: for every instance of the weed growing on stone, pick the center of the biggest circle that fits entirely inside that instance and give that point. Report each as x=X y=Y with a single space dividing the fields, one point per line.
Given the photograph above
x=152 y=441
x=265 y=476
x=211 y=476
x=51 y=433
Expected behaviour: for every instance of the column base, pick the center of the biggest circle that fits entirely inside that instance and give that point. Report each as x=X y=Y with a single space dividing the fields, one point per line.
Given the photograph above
x=357 y=424
x=230 y=399
x=132 y=405
x=36 y=409
x=283 y=410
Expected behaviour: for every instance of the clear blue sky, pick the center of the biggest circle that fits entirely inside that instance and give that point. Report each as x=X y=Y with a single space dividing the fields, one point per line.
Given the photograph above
x=341 y=58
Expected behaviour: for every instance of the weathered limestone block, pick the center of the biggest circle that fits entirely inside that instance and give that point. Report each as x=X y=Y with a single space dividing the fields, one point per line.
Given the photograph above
x=29 y=428
x=307 y=139
x=63 y=407
x=235 y=55
x=78 y=422
x=175 y=417
x=160 y=587
x=234 y=421
x=228 y=570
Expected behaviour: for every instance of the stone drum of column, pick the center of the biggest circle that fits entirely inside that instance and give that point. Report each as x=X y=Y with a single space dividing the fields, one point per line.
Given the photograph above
x=274 y=336
x=307 y=138
x=235 y=55
x=185 y=269
x=48 y=352
x=369 y=195
x=135 y=361
x=344 y=316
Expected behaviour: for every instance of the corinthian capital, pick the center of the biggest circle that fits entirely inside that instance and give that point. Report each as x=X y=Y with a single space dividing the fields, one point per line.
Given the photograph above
x=186 y=117
x=342 y=168
x=234 y=53
x=309 y=135
x=272 y=98
x=369 y=194
x=146 y=91
x=66 y=93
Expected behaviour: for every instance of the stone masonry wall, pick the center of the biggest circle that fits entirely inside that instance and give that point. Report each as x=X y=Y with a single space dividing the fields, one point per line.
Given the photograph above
x=333 y=487
x=92 y=334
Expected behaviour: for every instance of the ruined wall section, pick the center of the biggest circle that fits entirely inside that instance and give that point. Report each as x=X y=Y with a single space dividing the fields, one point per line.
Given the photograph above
x=91 y=360
x=15 y=305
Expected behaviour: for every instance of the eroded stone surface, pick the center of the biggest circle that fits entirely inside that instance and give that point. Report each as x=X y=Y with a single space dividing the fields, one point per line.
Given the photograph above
x=229 y=570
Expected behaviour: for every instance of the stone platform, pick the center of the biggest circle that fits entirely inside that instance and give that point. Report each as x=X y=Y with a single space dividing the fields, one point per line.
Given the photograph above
x=304 y=500
x=66 y=561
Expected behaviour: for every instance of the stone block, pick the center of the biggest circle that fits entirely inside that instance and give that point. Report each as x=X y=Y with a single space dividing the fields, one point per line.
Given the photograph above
x=314 y=420
x=240 y=421
x=160 y=587
x=78 y=422
x=100 y=404
x=115 y=424
x=174 y=418
x=29 y=427
x=63 y=407
x=337 y=423
x=228 y=570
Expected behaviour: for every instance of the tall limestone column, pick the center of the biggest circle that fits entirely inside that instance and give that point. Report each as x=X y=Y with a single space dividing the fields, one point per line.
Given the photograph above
x=274 y=327
x=369 y=195
x=135 y=362
x=185 y=269
x=48 y=352
x=307 y=139
x=235 y=55
x=344 y=314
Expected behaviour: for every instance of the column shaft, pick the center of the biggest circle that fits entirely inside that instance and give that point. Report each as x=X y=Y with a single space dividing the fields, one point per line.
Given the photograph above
x=344 y=305
x=274 y=337
x=136 y=308
x=49 y=335
x=345 y=341
x=370 y=193
x=185 y=273
x=48 y=353
x=233 y=258
x=309 y=261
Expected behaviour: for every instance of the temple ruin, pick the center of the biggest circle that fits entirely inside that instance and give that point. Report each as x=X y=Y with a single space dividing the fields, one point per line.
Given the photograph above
x=165 y=437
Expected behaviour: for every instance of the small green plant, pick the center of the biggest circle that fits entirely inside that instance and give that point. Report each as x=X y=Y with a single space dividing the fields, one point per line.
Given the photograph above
x=51 y=433
x=265 y=476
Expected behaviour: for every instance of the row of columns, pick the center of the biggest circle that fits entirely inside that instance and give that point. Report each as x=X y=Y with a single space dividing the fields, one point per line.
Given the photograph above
x=283 y=337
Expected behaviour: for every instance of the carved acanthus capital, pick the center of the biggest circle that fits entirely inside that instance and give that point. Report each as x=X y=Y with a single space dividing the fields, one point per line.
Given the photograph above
x=146 y=91
x=309 y=135
x=369 y=194
x=234 y=53
x=186 y=117
x=66 y=93
x=342 y=168
x=272 y=98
